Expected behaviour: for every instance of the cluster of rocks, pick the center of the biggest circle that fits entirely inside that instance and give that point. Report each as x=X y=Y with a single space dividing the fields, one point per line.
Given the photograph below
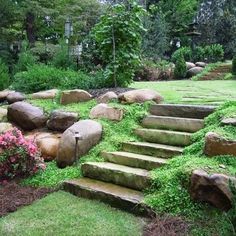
x=195 y=68
x=55 y=134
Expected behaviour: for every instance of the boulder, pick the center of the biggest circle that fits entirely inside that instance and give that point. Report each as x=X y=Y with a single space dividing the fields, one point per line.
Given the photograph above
x=90 y=132
x=140 y=96
x=15 y=97
x=47 y=142
x=107 y=97
x=27 y=116
x=61 y=120
x=229 y=121
x=3 y=114
x=190 y=65
x=194 y=71
x=201 y=64
x=4 y=126
x=48 y=94
x=4 y=94
x=74 y=96
x=216 y=145
x=213 y=189
x=104 y=111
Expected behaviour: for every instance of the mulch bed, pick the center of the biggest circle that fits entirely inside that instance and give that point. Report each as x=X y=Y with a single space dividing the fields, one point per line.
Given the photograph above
x=98 y=92
x=13 y=196
x=167 y=226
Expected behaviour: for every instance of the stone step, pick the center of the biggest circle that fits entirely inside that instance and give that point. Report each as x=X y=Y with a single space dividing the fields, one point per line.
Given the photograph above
x=168 y=137
x=134 y=160
x=180 y=110
x=173 y=123
x=134 y=178
x=117 y=196
x=152 y=149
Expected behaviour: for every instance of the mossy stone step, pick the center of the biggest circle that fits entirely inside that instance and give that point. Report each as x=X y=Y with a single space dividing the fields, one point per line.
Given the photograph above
x=180 y=110
x=175 y=138
x=134 y=160
x=117 y=196
x=173 y=123
x=152 y=149
x=133 y=178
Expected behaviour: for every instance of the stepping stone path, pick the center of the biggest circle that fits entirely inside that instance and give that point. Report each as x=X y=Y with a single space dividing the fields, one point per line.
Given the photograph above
x=121 y=178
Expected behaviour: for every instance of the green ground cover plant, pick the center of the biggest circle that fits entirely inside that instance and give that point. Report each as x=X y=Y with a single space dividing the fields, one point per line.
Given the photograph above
x=63 y=214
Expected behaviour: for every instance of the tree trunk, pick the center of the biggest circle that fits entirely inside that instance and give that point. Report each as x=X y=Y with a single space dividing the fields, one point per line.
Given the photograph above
x=30 y=28
x=114 y=56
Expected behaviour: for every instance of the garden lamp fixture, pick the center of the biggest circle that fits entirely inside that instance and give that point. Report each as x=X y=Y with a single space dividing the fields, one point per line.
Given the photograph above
x=77 y=137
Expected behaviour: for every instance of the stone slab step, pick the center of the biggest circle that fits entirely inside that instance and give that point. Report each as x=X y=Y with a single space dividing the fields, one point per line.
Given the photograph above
x=168 y=137
x=117 y=196
x=173 y=123
x=134 y=178
x=180 y=110
x=152 y=149
x=134 y=160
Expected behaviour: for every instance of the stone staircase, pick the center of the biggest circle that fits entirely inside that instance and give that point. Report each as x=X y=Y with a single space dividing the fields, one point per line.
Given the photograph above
x=218 y=73
x=119 y=180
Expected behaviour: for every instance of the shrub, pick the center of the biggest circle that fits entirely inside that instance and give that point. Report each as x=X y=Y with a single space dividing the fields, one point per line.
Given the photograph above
x=180 y=67
x=19 y=157
x=43 y=77
x=25 y=60
x=185 y=51
x=234 y=66
x=214 y=53
x=4 y=75
x=199 y=54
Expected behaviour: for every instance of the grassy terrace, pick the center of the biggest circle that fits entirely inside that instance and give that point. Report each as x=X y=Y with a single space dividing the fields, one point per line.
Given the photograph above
x=64 y=214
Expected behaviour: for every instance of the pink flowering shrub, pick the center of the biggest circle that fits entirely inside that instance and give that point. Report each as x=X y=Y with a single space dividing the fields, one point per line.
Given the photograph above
x=18 y=156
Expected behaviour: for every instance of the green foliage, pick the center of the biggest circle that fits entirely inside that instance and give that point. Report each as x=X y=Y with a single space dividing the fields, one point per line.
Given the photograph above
x=62 y=60
x=118 y=35
x=42 y=77
x=4 y=75
x=185 y=51
x=26 y=59
x=234 y=66
x=180 y=67
x=212 y=53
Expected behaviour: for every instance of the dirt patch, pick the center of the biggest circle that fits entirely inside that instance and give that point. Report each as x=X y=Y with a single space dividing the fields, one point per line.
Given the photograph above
x=167 y=226
x=13 y=196
x=98 y=92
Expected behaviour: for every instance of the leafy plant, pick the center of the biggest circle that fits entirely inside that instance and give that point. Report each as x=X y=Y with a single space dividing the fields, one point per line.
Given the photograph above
x=4 y=75
x=234 y=65
x=26 y=59
x=185 y=51
x=118 y=35
x=180 y=67
x=214 y=53
x=19 y=157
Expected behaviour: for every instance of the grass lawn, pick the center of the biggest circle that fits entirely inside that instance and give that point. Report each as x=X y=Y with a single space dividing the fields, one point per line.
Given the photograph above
x=193 y=92
x=63 y=214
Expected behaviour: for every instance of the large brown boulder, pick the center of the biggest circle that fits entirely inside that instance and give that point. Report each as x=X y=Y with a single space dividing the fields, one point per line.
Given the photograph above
x=26 y=116
x=216 y=145
x=74 y=96
x=104 y=111
x=140 y=96
x=107 y=97
x=229 y=121
x=61 y=120
x=90 y=132
x=4 y=94
x=213 y=189
x=48 y=94
x=15 y=97
x=190 y=65
x=194 y=71
x=47 y=142
x=201 y=64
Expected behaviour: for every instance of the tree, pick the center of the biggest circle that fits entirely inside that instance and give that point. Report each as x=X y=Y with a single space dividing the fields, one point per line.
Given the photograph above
x=119 y=37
